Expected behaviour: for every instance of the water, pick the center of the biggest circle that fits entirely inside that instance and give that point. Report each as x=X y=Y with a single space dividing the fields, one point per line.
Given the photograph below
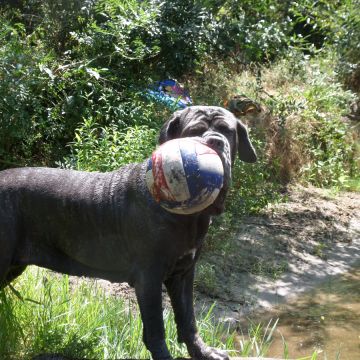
x=326 y=319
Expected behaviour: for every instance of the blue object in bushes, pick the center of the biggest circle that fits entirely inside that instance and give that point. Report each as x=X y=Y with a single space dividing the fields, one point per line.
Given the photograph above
x=169 y=93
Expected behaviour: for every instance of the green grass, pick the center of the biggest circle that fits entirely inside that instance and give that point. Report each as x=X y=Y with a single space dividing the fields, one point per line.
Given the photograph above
x=258 y=340
x=353 y=184
x=84 y=321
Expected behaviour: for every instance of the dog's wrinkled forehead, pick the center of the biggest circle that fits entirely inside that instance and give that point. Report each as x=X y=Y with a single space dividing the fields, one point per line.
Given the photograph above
x=208 y=114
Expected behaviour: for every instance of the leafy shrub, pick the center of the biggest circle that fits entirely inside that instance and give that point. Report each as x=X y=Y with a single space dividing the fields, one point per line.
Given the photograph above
x=310 y=138
x=166 y=38
x=95 y=62
x=330 y=152
x=187 y=32
x=107 y=148
x=27 y=128
x=43 y=100
x=347 y=44
x=120 y=36
x=252 y=31
x=334 y=25
x=54 y=20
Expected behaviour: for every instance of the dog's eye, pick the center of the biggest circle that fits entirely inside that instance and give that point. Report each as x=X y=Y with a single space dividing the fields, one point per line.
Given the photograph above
x=199 y=130
x=223 y=129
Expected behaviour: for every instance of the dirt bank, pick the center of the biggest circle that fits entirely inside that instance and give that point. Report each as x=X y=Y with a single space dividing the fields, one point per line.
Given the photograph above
x=287 y=249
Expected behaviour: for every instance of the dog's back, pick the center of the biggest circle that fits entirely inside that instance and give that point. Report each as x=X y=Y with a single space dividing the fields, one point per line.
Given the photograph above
x=48 y=214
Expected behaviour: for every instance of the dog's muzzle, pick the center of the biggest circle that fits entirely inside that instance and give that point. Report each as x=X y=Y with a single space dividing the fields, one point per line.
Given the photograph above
x=215 y=141
x=221 y=145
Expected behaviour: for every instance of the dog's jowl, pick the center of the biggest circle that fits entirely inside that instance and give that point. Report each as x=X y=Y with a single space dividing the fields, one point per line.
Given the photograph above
x=107 y=225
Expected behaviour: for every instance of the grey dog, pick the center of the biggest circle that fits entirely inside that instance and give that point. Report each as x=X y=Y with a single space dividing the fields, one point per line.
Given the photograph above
x=107 y=225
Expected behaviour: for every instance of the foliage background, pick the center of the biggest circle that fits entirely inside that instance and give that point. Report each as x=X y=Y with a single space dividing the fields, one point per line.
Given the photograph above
x=72 y=80
x=73 y=74
x=65 y=65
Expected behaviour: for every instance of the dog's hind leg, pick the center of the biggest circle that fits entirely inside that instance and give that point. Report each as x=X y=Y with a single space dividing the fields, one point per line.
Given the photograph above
x=8 y=240
x=8 y=273
x=4 y=269
x=5 y=260
x=13 y=273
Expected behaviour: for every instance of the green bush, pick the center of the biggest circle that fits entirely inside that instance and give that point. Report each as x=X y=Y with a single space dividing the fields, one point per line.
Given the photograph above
x=96 y=60
x=335 y=25
x=28 y=129
x=187 y=32
x=107 y=148
x=330 y=152
x=44 y=99
x=347 y=43
x=250 y=31
x=120 y=36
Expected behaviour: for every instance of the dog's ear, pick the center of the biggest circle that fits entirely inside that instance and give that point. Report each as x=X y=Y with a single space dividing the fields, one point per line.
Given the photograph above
x=245 y=149
x=171 y=128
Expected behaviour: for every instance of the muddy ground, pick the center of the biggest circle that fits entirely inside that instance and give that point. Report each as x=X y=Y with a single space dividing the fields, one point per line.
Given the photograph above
x=285 y=251
x=275 y=256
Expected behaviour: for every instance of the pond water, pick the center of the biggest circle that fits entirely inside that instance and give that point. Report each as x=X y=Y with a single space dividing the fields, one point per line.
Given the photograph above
x=326 y=319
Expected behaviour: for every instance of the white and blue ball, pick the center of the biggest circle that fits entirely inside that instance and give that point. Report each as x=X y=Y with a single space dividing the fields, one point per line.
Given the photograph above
x=184 y=175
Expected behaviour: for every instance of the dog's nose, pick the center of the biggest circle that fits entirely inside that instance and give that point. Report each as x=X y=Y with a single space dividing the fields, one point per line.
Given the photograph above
x=216 y=143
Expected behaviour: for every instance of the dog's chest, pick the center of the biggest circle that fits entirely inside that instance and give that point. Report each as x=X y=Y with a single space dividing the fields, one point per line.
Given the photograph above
x=184 y=262
x=194 y=239
x=189 y=253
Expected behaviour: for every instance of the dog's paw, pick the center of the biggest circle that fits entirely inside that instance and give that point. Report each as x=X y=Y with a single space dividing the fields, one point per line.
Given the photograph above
x=198 y=350
x=209 y=353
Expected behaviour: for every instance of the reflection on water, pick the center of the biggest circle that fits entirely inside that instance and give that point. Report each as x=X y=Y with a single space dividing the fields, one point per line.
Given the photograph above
x=326 y=319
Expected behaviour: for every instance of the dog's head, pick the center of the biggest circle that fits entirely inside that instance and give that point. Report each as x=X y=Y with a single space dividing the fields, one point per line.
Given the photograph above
x=219 y=129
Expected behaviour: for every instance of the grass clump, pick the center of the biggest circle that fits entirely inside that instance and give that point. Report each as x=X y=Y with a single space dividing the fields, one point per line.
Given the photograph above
x=205 y=280
x=59 y=315
x=81 y=320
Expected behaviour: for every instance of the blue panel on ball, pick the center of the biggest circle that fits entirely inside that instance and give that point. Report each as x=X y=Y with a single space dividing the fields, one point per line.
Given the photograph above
x=149 y=165
x=211 y=180
x=191 y=168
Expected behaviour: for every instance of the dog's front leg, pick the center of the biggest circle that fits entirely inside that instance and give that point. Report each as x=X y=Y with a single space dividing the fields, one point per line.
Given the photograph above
x=148 y=290
x=180 y=290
